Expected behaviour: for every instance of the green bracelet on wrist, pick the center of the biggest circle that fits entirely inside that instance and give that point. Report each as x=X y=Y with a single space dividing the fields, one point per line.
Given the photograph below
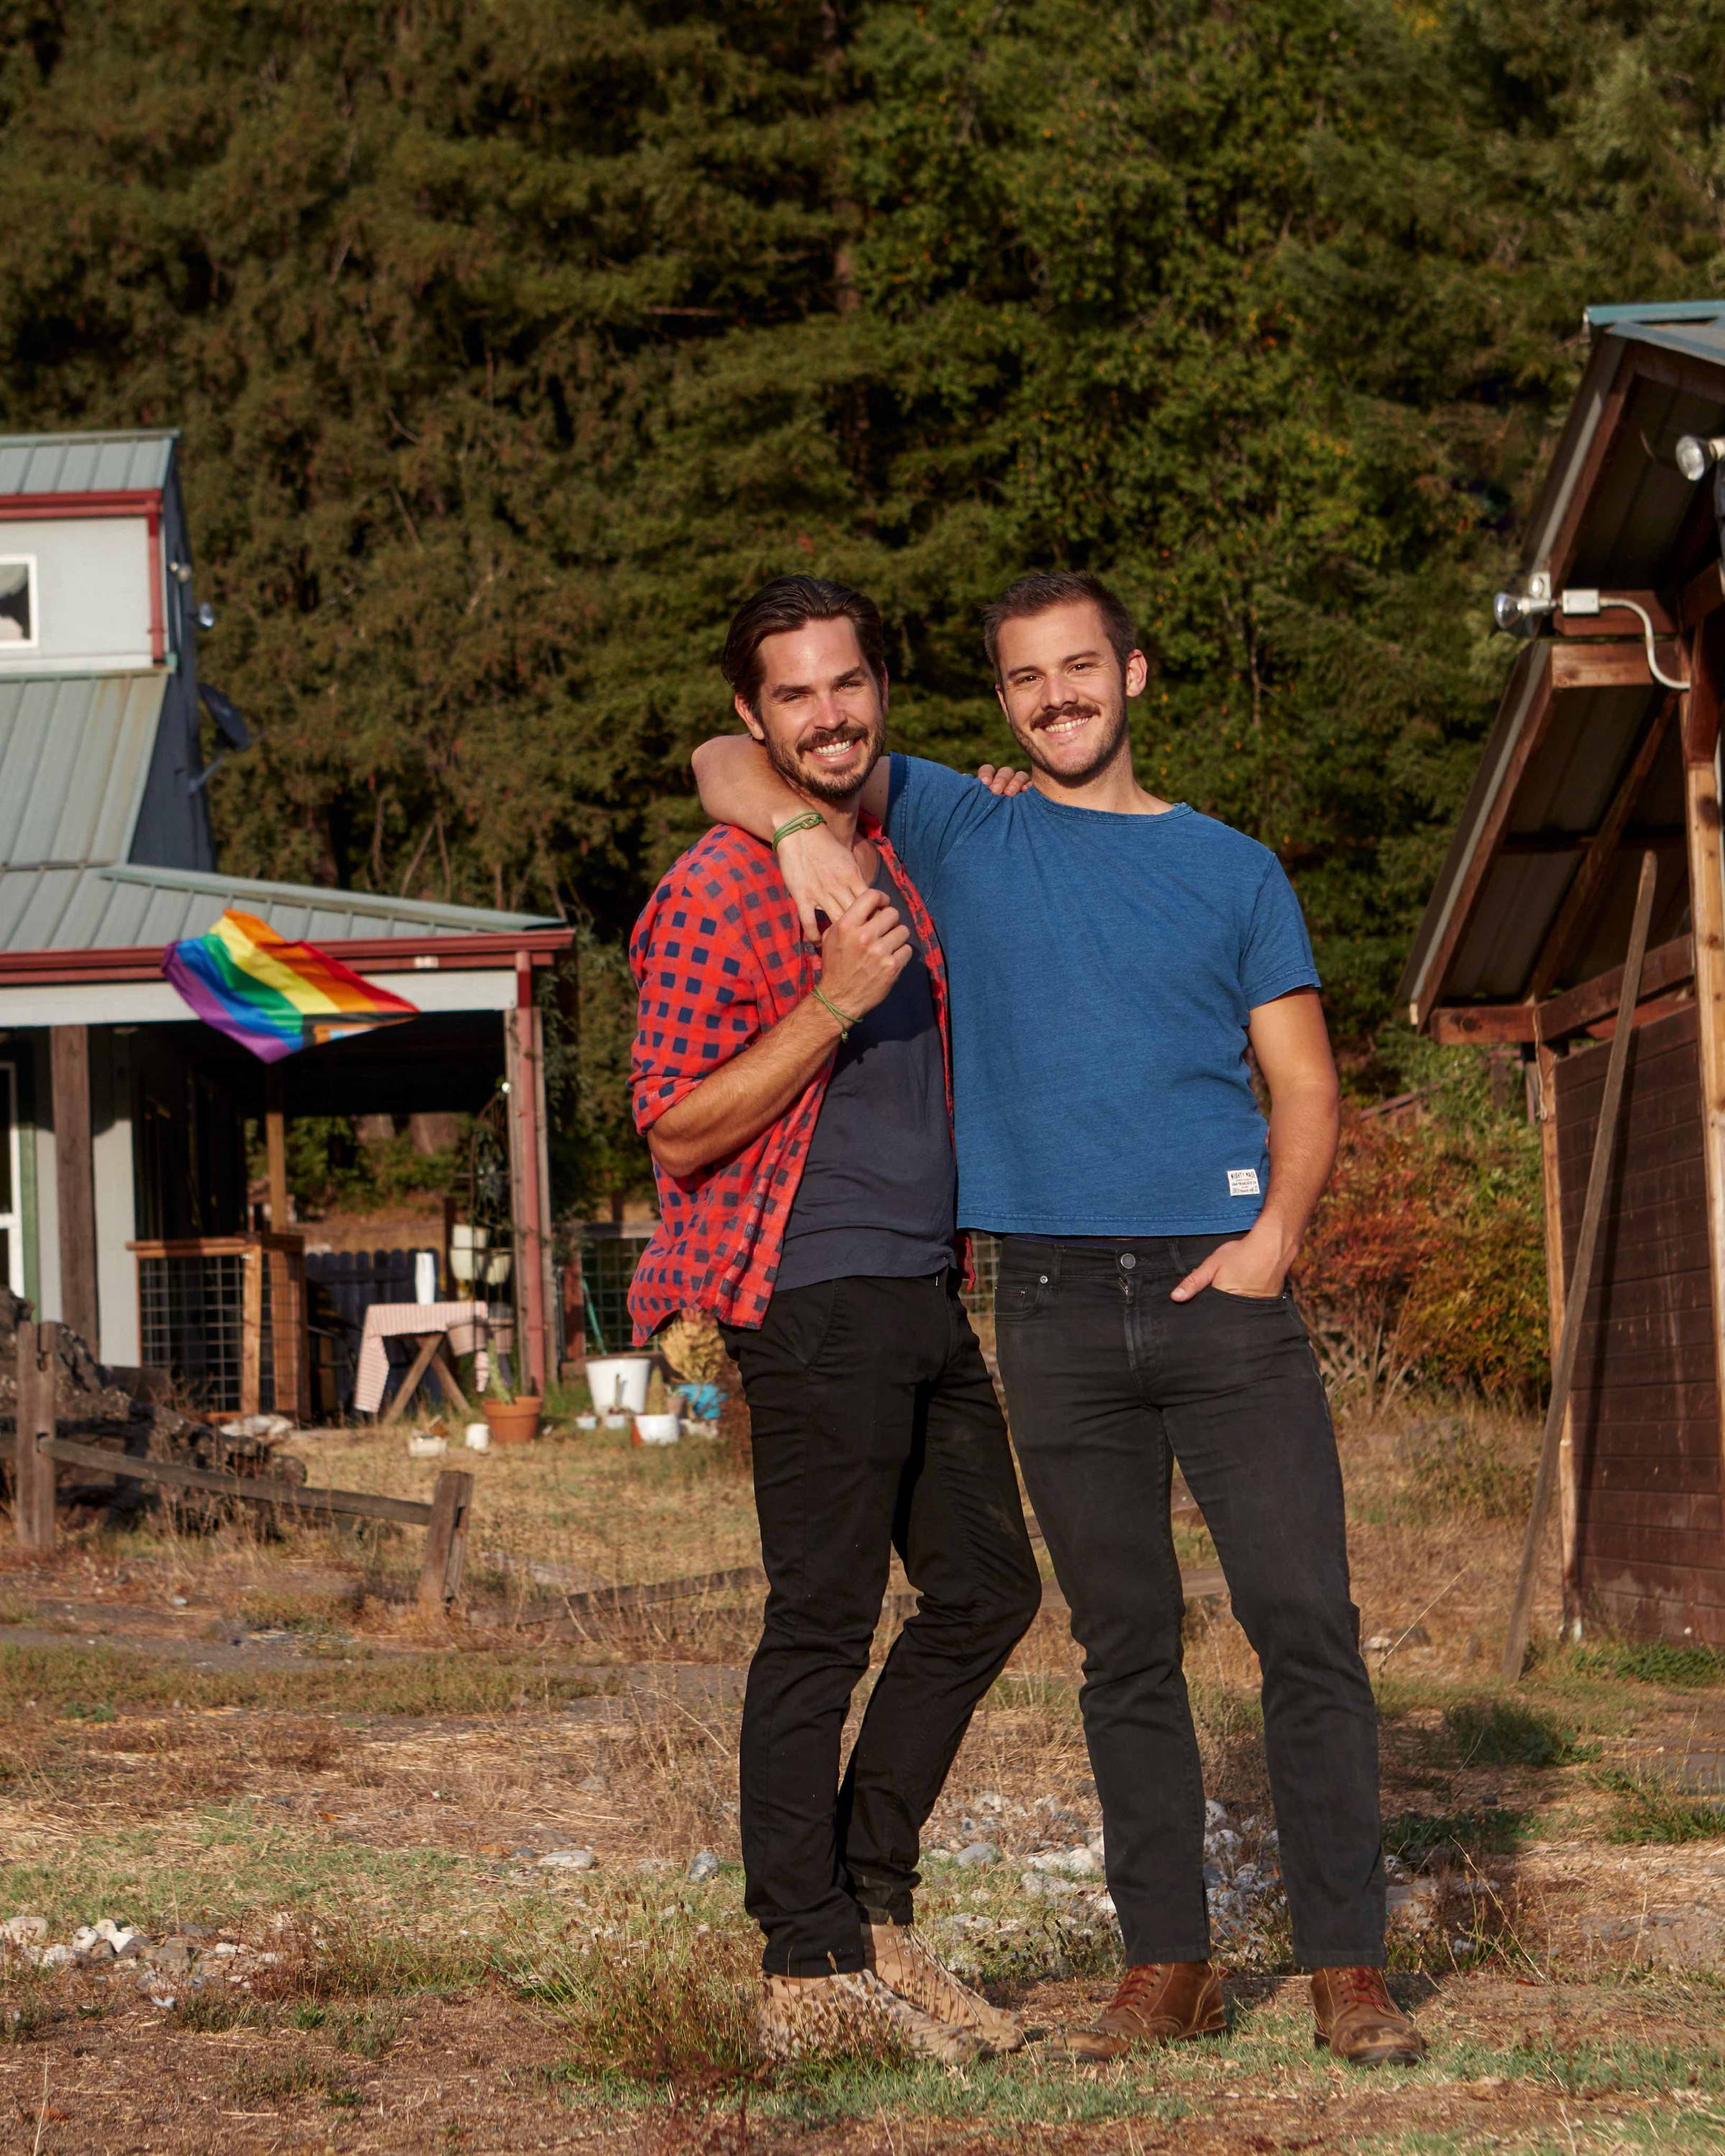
x=844 y=1023
x=806 y=822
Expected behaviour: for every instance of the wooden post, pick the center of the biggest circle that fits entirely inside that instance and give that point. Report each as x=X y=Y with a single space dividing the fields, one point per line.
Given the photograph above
x=251 y=1328
x=1568 y=1483
x=1707 y=898
x=526 y=1183
x=445 y=1539
x=75 y=1179
x=1599 y=1181
x=38 y=1350
x=276 y=1149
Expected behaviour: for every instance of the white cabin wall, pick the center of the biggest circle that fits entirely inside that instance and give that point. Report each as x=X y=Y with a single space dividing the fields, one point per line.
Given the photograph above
x=92 y=594
x=47 y=1200
x=115 y=1192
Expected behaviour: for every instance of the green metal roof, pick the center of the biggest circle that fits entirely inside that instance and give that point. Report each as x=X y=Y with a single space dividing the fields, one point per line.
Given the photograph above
x=121 y=907
x=75 y=752
x=1633 y=313
x=131 y=462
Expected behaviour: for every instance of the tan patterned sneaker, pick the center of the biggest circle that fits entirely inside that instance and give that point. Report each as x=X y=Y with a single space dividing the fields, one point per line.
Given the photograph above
x=801 y=2015
x=902 y=1959
x=1356 y=2017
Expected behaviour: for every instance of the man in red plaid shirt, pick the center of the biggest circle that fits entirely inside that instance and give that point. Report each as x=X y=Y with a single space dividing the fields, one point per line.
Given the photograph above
x=798 y=1104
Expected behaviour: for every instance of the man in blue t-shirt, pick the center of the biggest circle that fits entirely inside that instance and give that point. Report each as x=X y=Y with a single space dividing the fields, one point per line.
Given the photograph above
x=1115 y=962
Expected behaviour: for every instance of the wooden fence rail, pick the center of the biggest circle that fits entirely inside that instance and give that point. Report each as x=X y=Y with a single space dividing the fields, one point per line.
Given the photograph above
x=39 y=1448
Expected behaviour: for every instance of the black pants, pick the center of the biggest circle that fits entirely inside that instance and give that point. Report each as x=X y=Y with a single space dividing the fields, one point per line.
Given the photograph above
x=875 y=1428
x=1107 y=1383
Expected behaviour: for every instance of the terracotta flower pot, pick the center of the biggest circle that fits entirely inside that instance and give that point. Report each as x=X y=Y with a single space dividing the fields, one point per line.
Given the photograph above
x=514 y=1422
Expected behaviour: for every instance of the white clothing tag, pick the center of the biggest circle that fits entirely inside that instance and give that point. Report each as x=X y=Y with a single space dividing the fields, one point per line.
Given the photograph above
x=1242 y=1182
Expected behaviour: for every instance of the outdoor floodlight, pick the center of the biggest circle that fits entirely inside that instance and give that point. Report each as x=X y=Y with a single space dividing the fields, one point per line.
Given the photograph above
x=1696 y=454
x=1519 y=610
x=206 y=615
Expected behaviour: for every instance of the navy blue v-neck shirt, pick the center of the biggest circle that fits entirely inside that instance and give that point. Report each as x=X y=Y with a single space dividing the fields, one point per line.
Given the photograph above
x=878 y=1186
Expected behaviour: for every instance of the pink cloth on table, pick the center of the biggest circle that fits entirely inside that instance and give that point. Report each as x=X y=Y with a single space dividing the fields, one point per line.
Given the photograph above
x=464 y=1321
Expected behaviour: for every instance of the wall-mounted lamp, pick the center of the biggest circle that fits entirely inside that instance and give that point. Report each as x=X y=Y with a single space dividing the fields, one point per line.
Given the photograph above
x=1521 y=609
x=1697 y=453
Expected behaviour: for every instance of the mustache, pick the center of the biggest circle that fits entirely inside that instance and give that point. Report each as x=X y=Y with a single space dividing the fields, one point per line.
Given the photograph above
x=825 y=737
x=1074 y=708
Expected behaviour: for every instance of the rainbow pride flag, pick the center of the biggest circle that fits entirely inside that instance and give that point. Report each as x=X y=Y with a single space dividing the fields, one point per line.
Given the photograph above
x=271 y=996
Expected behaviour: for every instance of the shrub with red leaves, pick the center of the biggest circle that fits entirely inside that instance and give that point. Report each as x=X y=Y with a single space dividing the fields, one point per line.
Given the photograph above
x=1425 y=1258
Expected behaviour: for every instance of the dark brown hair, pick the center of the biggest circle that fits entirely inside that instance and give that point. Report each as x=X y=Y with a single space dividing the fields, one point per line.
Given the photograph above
x=1044 y=588
x=793 y=603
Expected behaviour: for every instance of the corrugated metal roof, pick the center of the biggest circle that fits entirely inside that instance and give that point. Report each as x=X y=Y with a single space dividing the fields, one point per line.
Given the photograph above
x=87 y=463
x=1636 y=517
x=128 y=908
x=75 y=752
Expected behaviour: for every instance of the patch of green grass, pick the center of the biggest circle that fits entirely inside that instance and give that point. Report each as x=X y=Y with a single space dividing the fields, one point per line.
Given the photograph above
x=96 y=1683
x=210 y=2012
x=1647 y=1662
x=1577 y=2067
x=1647 y=1808
x=369 y=2032
x=260 y=2081
x=1460 y=1465
x=1052 y=1695
x=649 y=1999
x=285 y=1612
x=14 y=1609
x=324 y=1964
x=1509 y=1732
x=1493 y=1831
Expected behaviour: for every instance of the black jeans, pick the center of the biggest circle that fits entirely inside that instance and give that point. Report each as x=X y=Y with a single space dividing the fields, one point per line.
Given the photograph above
x=1107 y=1383
x=875 y=1428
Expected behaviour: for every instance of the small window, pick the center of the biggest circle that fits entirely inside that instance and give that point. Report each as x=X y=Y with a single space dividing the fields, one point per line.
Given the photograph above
x=18 y=599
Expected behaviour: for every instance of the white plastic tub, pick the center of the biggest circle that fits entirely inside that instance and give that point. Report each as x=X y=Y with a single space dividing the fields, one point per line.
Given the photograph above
x=618 y=1382
x=657 y=1430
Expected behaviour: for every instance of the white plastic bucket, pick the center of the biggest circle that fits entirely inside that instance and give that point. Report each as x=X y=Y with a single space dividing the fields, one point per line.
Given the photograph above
x=655 y=1429
x=618 y=1382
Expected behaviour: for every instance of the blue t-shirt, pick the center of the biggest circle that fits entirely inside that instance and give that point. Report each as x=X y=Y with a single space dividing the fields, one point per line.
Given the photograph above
x=1102 y=969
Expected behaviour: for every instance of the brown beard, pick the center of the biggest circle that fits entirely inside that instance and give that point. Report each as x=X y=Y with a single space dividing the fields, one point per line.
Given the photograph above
x=1105 y=755
x=814 y=781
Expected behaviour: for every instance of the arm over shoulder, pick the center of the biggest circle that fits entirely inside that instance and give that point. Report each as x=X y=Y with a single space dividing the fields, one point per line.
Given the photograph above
x=931 y=809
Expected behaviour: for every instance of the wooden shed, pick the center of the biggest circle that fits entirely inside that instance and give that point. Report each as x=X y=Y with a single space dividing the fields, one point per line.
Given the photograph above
x=124 y=1209
x=1606 y=746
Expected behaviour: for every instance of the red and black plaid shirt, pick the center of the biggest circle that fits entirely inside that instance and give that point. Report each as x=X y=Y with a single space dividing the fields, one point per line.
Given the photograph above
x=719 y=958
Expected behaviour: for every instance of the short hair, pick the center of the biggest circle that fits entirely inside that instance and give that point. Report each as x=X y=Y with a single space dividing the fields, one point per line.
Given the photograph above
x=790 y=603
x=1044 y=588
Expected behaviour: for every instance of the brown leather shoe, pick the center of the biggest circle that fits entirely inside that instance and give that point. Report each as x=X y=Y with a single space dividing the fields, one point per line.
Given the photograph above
x=1159 y=2002
x=1359 y=2021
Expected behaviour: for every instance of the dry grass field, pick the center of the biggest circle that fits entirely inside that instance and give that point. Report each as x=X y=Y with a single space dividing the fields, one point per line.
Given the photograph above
x=255 y=1743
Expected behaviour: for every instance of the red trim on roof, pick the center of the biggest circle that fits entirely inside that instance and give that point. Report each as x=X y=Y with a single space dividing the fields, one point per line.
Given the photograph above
x=158 y=628
x=114 y=501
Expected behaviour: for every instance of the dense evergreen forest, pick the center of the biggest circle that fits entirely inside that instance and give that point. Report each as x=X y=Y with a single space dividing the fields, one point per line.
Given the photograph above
x=514 y=340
